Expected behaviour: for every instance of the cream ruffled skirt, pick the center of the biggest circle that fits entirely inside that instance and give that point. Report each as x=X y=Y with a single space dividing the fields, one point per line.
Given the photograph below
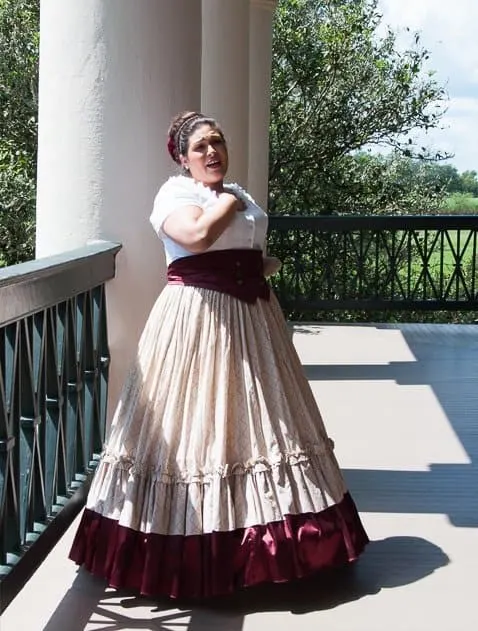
x=218 y=472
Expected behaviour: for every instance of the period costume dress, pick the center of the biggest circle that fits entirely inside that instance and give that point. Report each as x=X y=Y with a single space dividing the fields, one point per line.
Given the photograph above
x=218 y=472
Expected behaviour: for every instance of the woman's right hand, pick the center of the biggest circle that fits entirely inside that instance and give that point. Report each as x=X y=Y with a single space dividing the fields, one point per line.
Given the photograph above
x=233 y=199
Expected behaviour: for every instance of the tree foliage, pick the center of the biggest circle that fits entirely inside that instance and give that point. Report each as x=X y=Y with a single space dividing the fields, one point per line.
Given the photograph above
x=19 y=41
x=340 y=87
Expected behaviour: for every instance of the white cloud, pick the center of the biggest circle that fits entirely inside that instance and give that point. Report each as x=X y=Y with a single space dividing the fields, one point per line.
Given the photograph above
x=448 y=31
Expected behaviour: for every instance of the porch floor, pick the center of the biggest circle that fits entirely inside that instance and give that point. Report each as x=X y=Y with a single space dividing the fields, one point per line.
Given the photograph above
x=401 y=403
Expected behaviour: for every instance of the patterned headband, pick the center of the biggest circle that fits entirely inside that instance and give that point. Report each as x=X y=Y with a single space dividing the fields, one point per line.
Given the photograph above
x=173 y=140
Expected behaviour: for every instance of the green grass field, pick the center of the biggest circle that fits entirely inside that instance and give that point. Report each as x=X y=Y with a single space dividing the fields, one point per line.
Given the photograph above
x=461 y=203
x=458 y=243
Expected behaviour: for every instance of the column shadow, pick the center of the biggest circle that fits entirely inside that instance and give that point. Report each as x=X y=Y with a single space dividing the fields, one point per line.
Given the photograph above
x=446 y=360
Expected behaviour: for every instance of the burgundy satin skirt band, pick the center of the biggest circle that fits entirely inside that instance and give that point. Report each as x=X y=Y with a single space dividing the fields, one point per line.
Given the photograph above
x=238 y=273
x=205 y=565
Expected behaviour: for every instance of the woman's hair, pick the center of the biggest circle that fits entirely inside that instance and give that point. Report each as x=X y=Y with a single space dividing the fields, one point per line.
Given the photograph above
x=181 y=129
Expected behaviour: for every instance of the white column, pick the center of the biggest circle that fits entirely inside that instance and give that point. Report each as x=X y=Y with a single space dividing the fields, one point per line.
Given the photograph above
x=225 y=76
x=261 y=20
x=112 y=75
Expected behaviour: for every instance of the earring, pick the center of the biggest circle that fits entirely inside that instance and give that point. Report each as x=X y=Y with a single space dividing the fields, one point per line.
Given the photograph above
x=186 y=167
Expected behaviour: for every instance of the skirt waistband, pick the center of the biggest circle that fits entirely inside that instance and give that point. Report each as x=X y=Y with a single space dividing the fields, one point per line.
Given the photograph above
x=239 y=273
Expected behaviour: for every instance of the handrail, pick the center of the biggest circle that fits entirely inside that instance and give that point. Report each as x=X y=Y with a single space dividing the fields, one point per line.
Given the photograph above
x=54 y=364
x=332 y=223
x=36 y=285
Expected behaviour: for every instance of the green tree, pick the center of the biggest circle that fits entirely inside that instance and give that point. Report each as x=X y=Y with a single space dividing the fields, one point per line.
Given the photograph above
x=339 y=87
x=393 y=183
x=19 y=42
x=445 y=176
x=469 y=183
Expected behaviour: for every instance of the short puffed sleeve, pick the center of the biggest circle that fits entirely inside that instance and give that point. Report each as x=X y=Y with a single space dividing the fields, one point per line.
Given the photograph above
x=176 y=192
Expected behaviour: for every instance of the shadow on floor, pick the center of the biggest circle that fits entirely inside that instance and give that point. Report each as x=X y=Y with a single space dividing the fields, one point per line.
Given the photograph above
x=386 y=564
x=445 y=489
x=445 y=360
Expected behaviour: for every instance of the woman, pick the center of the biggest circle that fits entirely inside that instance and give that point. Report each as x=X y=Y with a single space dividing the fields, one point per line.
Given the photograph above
x=218 y=472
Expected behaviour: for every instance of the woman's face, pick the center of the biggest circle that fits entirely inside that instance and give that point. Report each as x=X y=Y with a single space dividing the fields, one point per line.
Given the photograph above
x=207 y=157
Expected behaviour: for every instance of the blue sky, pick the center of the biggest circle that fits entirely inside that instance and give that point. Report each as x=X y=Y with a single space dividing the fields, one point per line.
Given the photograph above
x=449 y=31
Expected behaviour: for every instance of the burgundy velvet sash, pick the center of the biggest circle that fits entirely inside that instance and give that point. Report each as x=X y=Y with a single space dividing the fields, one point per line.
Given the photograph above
x=239 y=273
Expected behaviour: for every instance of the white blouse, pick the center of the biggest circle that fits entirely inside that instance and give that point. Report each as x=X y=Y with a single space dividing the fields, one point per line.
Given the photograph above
x=248 y=229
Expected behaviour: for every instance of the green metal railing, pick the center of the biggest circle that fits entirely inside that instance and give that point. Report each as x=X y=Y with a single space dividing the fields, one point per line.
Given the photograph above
x=375 y=263
x=53 y=388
